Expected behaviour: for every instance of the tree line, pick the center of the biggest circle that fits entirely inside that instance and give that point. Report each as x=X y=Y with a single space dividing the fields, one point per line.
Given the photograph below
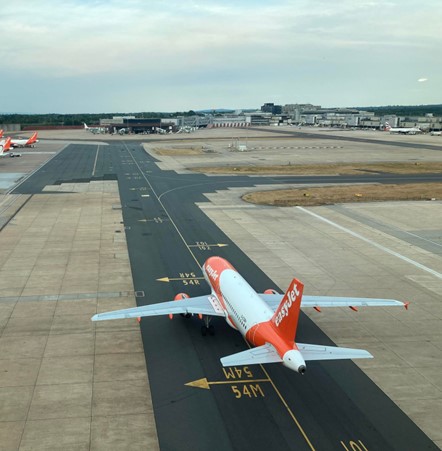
x=405 y=110
x=79 y=119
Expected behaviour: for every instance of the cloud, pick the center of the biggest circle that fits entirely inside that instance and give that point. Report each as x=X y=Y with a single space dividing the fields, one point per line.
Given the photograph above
x=311 y=50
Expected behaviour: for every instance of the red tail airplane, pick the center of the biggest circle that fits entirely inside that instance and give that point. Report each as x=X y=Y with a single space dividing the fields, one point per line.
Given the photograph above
x=5 y=146
x=29 y=142
x=268 y=321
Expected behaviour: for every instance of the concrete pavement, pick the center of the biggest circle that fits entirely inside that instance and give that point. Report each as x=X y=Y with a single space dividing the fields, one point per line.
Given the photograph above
x=65 y=382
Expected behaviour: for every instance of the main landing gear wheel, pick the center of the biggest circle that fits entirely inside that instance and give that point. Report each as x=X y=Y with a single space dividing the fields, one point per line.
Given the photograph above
x=210 y=330
x=207 y=327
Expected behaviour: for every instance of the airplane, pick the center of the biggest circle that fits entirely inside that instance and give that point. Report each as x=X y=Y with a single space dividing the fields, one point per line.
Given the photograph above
x=94 y=129
x=435 y=133
x=402 y=130
x=268 y=320
x=5 y=146
x=25 y=142
x=1 y=133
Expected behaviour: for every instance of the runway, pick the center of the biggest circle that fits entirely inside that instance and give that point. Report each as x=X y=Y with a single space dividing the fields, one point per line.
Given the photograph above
x=325 y=135
x=334 y=406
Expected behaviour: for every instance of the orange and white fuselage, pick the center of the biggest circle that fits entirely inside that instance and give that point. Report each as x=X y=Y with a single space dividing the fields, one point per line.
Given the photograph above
x=5 y=146
x=268 y=320
x=245 y=311
x=25 y=142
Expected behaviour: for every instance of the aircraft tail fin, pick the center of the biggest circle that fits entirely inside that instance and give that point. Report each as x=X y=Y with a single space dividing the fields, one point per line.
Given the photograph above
x=7 y=144
x=1 y=133
x=33 y=138
x=286 y=315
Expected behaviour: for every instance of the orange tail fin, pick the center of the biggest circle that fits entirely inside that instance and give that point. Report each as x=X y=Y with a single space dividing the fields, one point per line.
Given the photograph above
x=7 y=144
x=33 y=138
x=286 y=315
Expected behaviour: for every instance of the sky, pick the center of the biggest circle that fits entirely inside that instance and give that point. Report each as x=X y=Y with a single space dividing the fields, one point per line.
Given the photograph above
x=93 y=56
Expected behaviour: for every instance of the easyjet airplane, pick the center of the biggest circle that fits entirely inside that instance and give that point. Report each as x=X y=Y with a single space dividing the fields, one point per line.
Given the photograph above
x=25 y=142
x=268 y=321
x=1 y=133
x=5 y=146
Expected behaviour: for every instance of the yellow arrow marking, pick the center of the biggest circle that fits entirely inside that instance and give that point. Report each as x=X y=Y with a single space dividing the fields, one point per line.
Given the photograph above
x=168 y=279
x=204 y=383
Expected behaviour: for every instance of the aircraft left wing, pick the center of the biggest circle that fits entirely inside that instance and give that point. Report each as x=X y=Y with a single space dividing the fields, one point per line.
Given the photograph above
x=273 y=301
x=200 y=304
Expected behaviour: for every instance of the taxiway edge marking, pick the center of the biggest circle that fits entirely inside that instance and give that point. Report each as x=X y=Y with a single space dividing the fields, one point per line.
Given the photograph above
x=373 y=243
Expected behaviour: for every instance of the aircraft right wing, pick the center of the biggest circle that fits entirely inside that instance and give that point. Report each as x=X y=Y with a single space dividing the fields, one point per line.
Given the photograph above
x=200 y=304
x=273 y=300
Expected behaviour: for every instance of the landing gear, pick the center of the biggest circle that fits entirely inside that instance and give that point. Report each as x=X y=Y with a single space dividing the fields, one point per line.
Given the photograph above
x=207 y=327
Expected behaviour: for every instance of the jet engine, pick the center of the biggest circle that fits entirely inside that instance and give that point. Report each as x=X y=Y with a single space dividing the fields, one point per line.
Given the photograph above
x=180 y=297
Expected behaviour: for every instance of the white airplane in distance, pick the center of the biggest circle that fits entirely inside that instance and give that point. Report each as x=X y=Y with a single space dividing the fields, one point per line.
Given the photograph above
x=402 y=130
x=25 y=142
x=268 y=320
x=435 y=133
x=94 y=129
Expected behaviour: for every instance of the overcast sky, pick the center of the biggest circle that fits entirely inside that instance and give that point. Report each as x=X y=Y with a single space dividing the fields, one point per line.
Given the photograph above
x=75 y=56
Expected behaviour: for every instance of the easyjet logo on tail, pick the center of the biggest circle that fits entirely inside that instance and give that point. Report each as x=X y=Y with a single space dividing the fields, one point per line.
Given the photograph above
x=286 y=315
x=284 y=308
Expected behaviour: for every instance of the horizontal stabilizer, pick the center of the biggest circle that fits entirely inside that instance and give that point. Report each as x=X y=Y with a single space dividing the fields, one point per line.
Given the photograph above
x=262 y=354
x=318 y=352
x=197 y=305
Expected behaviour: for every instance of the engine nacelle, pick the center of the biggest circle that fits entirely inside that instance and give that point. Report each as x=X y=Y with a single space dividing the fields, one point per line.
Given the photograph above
x=180 y=297
x=270 y=291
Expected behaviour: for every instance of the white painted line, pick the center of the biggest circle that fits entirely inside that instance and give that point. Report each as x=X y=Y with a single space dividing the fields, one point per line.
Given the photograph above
x=95 y=162
x=373 y=243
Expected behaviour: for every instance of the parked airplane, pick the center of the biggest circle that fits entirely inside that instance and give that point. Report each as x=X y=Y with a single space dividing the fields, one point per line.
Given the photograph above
x=1 y=133
x=268 y=321
x=94 y=129
x=25 y=142
x=5 y=146
x=402 y=130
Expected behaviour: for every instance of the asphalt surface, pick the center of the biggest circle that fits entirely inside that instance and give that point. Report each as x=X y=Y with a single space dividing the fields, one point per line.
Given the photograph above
x=342 y=137
x=334 y=406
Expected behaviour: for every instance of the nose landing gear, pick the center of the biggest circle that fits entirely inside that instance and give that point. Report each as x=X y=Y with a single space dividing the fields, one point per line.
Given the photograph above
x=207 y=328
